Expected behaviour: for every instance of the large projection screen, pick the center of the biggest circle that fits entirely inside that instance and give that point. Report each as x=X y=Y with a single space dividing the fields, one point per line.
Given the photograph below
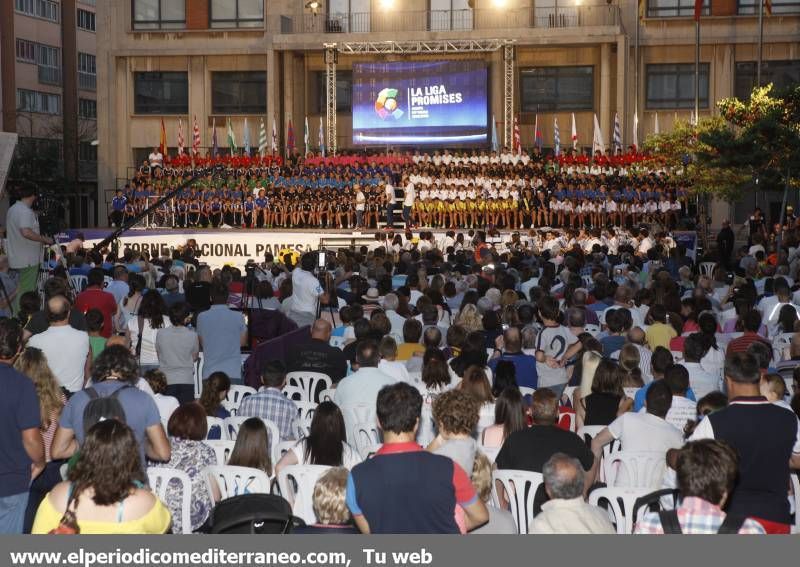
x=420 y=103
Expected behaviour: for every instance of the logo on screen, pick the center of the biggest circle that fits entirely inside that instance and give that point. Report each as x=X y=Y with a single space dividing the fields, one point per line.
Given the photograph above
x=386 y=104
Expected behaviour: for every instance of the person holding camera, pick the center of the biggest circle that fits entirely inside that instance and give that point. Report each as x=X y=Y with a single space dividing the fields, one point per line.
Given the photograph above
x=24 y=241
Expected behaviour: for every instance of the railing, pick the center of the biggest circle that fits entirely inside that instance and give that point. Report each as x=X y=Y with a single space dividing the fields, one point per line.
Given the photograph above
x=450 y=20
x=49 y=75
x=87 y=81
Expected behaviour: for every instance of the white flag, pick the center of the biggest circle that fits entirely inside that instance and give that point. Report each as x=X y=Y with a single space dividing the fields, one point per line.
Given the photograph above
x=262 y=139
x=321 y=138
x=597 y=138
x=274 y=137
x=306 y=140
x=636 y=131
x=574 y=133
x=655 y=128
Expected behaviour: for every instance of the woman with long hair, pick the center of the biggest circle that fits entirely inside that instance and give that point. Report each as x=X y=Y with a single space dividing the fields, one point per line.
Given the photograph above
x=215 y=389
x=607 y=400
x=714 y=359
x=509 y=416
x=477 y=383
x=505 y=376
x=105 y=492
x=473 y=353
x=252 y=447
x=469 y=318
x=33 y=364
x=326 y=443
x=129 y=306
x=143 y=329
x=629 y=360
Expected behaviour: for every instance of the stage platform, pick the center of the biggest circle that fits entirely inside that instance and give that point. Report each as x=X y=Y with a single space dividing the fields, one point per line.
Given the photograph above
x=234 y=246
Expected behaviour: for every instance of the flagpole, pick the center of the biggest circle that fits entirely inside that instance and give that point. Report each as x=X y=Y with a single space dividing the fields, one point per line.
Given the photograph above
x=636 y=66
x=697 y=68
x=760 y=41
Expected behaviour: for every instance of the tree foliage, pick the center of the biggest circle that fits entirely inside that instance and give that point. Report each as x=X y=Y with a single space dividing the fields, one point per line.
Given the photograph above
x=751 y=145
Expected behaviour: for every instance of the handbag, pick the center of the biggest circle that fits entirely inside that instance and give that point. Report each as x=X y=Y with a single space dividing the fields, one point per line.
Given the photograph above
x=68 y=525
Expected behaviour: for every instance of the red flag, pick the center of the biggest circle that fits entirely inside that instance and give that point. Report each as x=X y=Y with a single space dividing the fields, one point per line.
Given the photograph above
x=698 y=8
x=768 y=7
x=517 y=142
x=162 y=143
x=196 y=137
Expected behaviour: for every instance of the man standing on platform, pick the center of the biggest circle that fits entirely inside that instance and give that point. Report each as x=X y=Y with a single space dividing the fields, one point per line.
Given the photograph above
x=410 y=194
x=361 y=204
x=389 y=196
x=24 y=241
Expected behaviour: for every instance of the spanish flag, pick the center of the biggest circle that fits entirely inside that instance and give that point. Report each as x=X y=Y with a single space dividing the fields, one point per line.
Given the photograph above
x=768 y=7
x=162 y=143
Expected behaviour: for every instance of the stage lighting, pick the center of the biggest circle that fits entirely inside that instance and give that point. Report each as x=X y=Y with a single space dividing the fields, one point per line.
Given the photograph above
x=314 y=6
x=499 y=3
x=387 y=4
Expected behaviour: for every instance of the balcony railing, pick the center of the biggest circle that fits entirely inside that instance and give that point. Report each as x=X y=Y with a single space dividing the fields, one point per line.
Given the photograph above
x=451 y=20
x=49 y=75
x=87 y=81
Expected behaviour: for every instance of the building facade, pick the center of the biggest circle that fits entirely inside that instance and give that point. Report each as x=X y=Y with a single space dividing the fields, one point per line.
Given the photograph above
x=210 y=60
x=45 y=71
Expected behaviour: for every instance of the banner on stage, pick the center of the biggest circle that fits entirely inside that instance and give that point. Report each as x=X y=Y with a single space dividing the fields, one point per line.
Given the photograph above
x=217 y=248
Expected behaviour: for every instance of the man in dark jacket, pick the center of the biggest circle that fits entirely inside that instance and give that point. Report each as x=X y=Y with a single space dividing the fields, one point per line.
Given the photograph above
x=318 y=355
x=725 y=243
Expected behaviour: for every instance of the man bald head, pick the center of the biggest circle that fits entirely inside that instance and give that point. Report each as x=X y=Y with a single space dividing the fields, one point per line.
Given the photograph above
x=512 y=341
x=58 y=310
x=321 y=330
x=636 y=336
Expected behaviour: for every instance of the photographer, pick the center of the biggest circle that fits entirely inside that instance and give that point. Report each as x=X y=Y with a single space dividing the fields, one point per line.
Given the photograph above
x=24 y=240
x=306 y=291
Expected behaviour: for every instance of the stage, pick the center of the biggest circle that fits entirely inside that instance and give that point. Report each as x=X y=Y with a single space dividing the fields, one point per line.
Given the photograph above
x=234 y=246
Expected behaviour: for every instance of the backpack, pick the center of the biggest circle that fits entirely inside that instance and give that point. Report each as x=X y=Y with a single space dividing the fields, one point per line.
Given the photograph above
x=101 y=408
x=669 y=523
x=253 y=514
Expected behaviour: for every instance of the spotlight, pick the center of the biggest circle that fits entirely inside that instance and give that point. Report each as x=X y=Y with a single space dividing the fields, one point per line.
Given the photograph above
x=313 y=5
x=499 y=3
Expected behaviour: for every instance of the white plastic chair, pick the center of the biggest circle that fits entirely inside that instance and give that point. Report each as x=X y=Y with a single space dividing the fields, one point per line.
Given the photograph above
x=160 y=478
x=107 y=281
x=305 y=414
x=677 y=355
x=634 y=469
x=354 y=414
x=297 y=487
x=593 y=330
x=235 y=396
x=284 y=447
x=294 y=393
x=590 y=430
x=218 y=422
x=327 y=395
x=588 y=282
x=707 y=268
x=79 y=282
x=525 y=391
x=780 y=347
x=620 y=505
x=235 y=481
x=520 y=488
x=796 y=497
x=569 y=391
x=309 y=383
x=367 y=436
x=233 y=423
x=490 y=452
x=222 y=449
x=198 y=377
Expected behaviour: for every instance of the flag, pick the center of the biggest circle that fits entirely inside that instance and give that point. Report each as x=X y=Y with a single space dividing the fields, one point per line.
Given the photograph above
x=196 y=137
x=246 y=138
x=574 y=133
x=214 y=146
x=556 y=136
x=597 y=138
x=289 y=139
x=635 y=130
x=321 y=138
x=495 y=141
x=306 y=137
x=231 y=138
x=641 y=8
x=655 y=127
x=162 y=141
x=262 y=138
x=617 y=133
x=768 y=7
x=517 y=149
x=698 y=9
x=180 y=136
x=274 y=137
x=537 y=134
x=692 y=118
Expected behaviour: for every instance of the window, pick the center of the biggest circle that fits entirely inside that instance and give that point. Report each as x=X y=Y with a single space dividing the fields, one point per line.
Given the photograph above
x=45 y=9
x=26 y=51
x=35 y=101
x=672 y=86
x=750 y=7
x=159 y=14
x=161 y=92
x=557 y=88
x=237 y=13
x=348 y=16
x=87 y=152
x=238 y=92
x=780 y=73
x=87 y=108
x=675 y=8
x=344 y=92
x=49 y=61
x=87 y=71
x=450 y=15
x=86 y=20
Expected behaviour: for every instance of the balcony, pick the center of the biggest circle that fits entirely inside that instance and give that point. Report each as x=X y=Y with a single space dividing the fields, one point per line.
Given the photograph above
x=87 y=81
x=451 y=20
x=49 y=75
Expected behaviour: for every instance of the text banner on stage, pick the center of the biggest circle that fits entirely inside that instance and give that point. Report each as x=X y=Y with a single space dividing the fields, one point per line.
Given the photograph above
x=217 y=248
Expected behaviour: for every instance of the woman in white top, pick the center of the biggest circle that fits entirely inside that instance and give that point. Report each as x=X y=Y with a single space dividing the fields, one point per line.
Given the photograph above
x=129 y=306
x=149 y=319
x=326 y=443
x=165 y=404
x=477 y=383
